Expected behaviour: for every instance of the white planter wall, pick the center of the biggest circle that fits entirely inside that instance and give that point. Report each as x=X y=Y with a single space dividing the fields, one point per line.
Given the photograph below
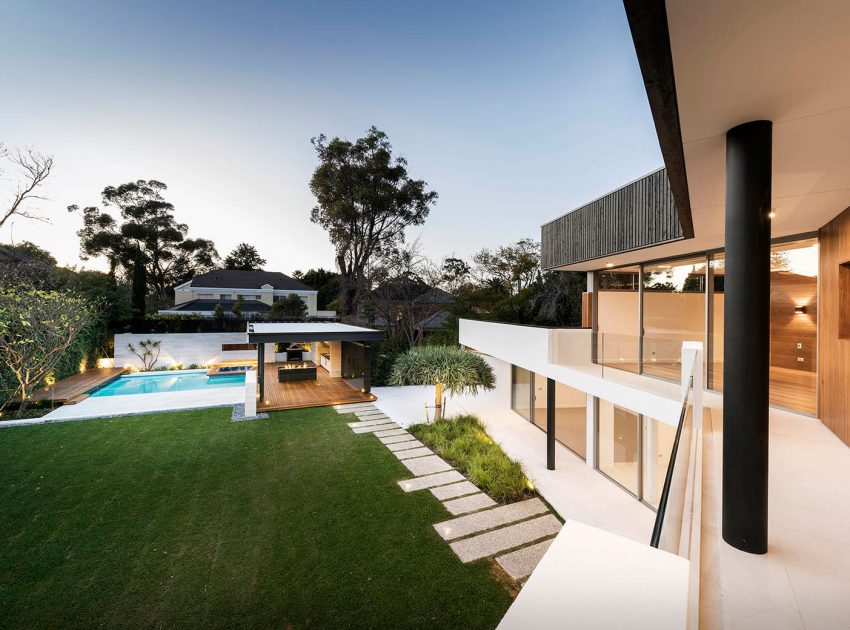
x=182 y=348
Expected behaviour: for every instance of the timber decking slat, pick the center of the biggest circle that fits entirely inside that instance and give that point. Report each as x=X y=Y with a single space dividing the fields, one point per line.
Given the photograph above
x=78 y=384
x=325 y=390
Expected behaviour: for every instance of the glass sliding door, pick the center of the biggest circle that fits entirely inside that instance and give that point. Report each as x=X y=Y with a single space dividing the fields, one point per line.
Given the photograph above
x=618 y=318
x=674 y=295
x=658 y=438
x=618 y=444
x=570 y=414
x=521 y=392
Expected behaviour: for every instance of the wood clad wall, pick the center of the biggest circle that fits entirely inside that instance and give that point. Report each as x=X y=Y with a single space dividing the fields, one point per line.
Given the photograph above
x=833 y=351
x=789 y=328
x=640 y=214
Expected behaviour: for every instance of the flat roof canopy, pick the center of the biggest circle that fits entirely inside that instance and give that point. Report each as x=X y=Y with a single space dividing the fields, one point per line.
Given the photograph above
x=305 y=332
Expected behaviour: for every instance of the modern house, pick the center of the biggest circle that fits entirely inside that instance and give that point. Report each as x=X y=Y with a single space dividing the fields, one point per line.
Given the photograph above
x=258 y=290
x=718 y=316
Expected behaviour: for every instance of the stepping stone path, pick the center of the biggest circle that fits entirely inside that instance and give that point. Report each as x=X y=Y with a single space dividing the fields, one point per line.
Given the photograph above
x=516 y=535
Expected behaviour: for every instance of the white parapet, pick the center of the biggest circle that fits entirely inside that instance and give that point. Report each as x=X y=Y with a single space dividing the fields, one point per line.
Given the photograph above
x=250 y=393
x=595 y=580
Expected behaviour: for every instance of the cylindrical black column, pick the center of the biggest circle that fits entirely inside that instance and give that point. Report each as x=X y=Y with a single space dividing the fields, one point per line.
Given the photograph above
x=550 y=424
x=261 y=368
x=746 y=346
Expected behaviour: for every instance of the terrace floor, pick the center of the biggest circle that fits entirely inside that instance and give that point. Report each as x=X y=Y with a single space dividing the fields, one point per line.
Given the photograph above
x=74 y=387
x=325 y=390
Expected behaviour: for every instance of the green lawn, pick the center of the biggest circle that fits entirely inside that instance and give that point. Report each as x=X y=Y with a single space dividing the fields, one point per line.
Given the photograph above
x=187 y=519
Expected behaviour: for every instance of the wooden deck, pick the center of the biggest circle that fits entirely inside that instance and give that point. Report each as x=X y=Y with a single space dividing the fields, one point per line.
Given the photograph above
x=325 y=390
x=72 y=389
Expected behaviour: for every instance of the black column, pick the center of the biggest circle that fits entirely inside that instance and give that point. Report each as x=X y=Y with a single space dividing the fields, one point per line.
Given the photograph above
x=550 y=424
x=746 y=347
x=367 y=368
x=261 y=369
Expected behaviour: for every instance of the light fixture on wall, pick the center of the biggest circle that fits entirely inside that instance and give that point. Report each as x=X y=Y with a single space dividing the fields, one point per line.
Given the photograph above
x=800 y=310
x=772 y=213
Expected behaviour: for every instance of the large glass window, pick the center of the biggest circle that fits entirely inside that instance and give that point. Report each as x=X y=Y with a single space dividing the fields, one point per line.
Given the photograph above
x=674 y=295
x=618 y=444
x=793 y=325
x=658 y=438
x=618 y=318
x=570 y=414
x=521 y=392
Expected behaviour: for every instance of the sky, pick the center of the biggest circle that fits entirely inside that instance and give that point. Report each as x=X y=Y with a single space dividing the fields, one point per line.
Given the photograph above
x=514 y=112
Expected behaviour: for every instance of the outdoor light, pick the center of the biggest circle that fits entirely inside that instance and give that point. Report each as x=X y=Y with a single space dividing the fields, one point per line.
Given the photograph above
x=771 y=214
x=800 y=310
x=609 y=265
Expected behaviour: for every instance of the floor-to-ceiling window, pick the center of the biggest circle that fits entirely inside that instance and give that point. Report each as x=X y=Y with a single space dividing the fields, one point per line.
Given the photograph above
x=674 y=294
x=793 y=325
x=570 y=414
x=657 y=446
x=521 y=392
x=618 y=445
x=618 y=318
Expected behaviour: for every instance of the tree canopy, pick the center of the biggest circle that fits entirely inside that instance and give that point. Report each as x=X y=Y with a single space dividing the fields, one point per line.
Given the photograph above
x=148 y=224
x=365 y=201
x=244 y=257
x=290 y=306
x=324 y=281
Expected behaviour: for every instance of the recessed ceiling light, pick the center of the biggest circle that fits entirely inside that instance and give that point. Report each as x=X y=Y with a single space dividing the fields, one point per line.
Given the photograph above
x=609 y=265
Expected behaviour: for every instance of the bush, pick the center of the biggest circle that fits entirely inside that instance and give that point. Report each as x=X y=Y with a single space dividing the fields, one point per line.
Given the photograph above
x=464 y=443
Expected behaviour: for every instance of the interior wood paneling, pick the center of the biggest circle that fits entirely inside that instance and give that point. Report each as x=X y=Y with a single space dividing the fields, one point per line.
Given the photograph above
x=789 y=328
x=833 y=351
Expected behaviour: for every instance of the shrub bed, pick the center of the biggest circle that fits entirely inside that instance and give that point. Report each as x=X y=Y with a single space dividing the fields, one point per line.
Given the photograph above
x=463 y=442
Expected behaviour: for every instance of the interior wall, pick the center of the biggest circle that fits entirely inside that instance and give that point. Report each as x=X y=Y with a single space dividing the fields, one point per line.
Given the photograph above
x=788 y=328
x=833 y=351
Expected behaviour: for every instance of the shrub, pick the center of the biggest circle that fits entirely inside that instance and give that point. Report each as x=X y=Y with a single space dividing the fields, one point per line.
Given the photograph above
x=463 y=442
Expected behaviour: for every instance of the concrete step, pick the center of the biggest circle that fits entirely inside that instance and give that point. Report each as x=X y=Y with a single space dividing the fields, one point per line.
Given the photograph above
x=413 y=452
x=352 y=407
x=426 y=465
x=504 y=538
x=369 y=423
x=454 y=490
x=482 y=521
x=376 y=427
x=403 y=446
x=472 y=503
x=399 y=438
x=429 y=481
x=520 y=563
x=390 y=432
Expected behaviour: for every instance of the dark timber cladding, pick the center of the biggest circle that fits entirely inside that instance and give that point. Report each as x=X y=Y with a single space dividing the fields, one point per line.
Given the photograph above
x=640 y=214
x=746 y=347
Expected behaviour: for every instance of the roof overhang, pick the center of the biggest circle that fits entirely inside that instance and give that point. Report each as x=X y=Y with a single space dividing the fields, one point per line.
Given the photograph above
x=734 y=62
x=305 y=332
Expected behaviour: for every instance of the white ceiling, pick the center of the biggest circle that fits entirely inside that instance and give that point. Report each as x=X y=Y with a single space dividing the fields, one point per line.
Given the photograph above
x=782 y=60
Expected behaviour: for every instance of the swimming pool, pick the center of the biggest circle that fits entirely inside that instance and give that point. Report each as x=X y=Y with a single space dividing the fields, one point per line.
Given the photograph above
x=167 y=382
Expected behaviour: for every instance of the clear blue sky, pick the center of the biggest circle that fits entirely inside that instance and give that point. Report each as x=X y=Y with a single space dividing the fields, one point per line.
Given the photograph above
x=515 y=112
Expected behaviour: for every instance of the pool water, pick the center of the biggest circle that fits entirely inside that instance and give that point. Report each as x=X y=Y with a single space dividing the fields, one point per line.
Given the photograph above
x=159 y=383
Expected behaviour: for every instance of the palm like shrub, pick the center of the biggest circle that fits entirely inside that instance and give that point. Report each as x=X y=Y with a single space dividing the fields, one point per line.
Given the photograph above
x=445 y=367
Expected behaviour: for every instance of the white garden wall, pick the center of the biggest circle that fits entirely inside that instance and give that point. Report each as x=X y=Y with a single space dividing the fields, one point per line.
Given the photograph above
x=182 y=348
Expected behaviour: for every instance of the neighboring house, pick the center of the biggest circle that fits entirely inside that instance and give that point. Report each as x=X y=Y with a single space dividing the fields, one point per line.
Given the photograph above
x=741 y=244
x=258 y=290
x=408 y=308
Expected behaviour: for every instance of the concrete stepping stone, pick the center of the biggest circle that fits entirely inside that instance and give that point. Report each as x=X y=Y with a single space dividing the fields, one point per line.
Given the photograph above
x=368 y=412
x=471 y=503
x=376 y=427
x=493 y=542
x=413 y=452
x=397 y=438
x=352 y=405
x=372 y=416
x=454 y=490
x=429 y=481
x=473 y=523
x=426 y=465
x=369 y=423
x=398 y=431
x=403 y=446
x=355 y=408
x=520 y=563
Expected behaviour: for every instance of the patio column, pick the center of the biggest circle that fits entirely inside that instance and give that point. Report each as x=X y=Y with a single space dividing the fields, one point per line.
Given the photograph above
x=261 y=369
x=746 y=347
x=367 y=368
x=550 y=424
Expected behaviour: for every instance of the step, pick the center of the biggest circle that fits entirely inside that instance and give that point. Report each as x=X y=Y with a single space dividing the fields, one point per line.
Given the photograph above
x=413 y=452
x=369 y=423
x=505 y=538
x=472 y=503
x=403 y=446
x=372 y=416
x=397 y=438
x=376 y=427
x=473 y=523
x=371 y=411
x=455 y=490
x=352 y=407
x=426 y=465
x=388 y=433
x=520 y=563
x=429 y=481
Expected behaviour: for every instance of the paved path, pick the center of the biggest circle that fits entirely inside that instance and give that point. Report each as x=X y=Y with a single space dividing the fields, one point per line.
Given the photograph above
x=516 y=535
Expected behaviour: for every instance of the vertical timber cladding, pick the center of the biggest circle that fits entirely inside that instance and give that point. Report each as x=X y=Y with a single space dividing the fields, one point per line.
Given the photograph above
x=640 y=214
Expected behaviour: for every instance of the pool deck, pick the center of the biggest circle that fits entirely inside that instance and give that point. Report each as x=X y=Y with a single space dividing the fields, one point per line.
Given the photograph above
x=73 y=389
x=325 y=390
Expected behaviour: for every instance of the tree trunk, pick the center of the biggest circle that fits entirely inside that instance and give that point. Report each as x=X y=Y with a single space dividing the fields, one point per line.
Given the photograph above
x=438 y=401
x=23 y=407
x=347 y=295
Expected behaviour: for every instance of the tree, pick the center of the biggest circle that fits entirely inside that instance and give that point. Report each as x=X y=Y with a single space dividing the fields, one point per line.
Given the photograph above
x=324 y=281
x=290 y=306
x=366 y=200
x=445 y=367
x=237 y=306
x=148 y=353
x=556 y=299
x=515 y=266
x=33 y=169
x=140 y=283
x=36 y=330
x=244 y=258
x=149 y=225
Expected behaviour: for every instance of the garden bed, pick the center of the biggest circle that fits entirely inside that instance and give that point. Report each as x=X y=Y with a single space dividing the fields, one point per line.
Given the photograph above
x=463 y=442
